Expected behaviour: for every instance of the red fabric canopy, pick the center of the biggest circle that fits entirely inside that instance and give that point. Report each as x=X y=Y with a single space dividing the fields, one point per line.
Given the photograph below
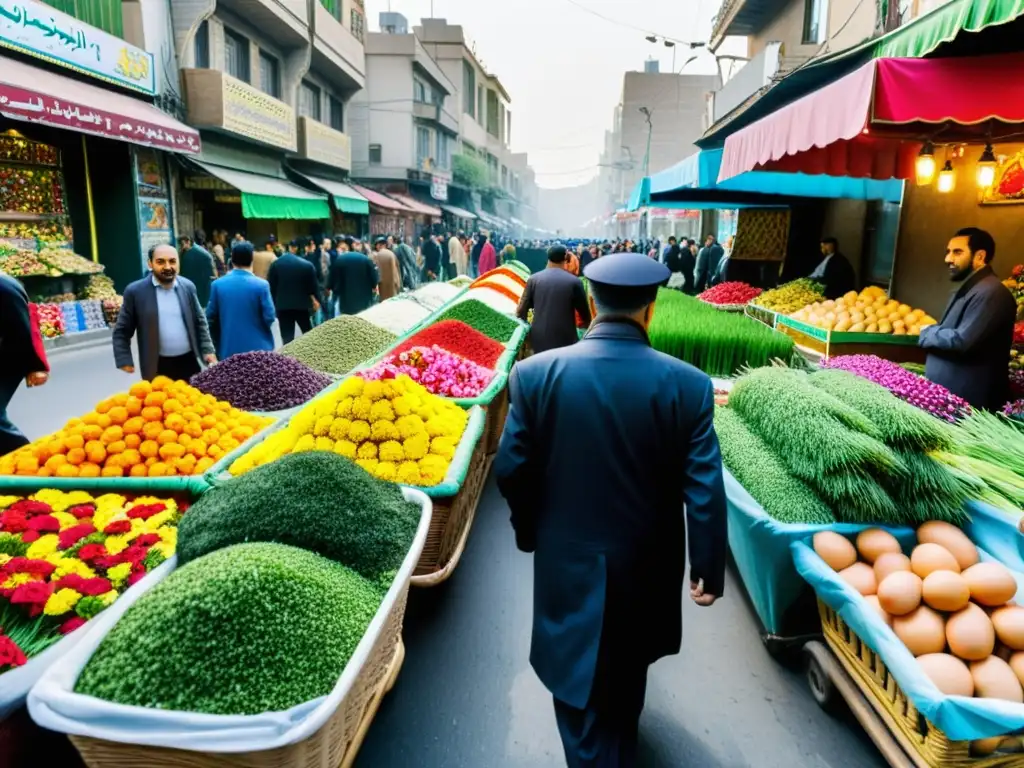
x=869 y=123
x=381 y=200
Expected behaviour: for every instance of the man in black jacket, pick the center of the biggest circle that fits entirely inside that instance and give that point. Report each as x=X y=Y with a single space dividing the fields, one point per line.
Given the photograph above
x=555 y=296
x=431 y=257
x=21 y=349
x=968 y=349
x=834 y=271
x=295 y=290
x=707 y=263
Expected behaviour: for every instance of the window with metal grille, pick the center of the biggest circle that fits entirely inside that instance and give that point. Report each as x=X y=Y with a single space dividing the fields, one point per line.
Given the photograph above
x=375 y=154
x=270 y=75
x=336 y=114
x=358 y=25
x=202 y=46
x=309 y=100
x=236 y=55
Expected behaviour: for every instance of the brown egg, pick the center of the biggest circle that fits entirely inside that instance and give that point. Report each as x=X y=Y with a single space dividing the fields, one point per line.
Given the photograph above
x=994 y=679
x=861 y=577
x=890 y=562
x=835 y=550
x=952 y=538
x=922 y=631
x=900 y=593
x=928 y=558
x=1011 y=744
x=991 y=584
x=985 y=747
x=1009 y=625
x=950 y=675
x=946 y=591
x=872 y=600
x=970 y=634
x=874 y=542
x=1016 y=662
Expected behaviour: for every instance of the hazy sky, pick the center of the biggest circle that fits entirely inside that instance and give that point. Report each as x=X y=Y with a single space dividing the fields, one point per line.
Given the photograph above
x=563 y=66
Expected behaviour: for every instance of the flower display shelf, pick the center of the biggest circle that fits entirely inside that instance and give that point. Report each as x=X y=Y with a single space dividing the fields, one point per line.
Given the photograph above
x=829 y=344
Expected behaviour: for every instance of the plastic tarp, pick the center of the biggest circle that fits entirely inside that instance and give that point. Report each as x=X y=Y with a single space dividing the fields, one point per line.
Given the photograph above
x=54 y=704
x=926 y=33
x=640 y=197
x=959 y=717
x=346 y=199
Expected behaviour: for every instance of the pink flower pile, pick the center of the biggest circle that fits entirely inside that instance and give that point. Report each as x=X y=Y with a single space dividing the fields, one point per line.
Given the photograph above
x=441 y=372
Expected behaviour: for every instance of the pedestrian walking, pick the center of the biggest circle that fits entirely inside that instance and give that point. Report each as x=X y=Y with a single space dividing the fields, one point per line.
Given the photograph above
x=407 y=262
x=474 y=255
x=241 y=313
x=488 y=256
x=196 y=265
x=163 y=310
x=389 y=274
x=707 y=263
x=457 y=256
x=353 y=279
x=21 y=349
x=555 y=296
x=295 y=292
x=261 y=260
x=431 y=252
x=609 y=554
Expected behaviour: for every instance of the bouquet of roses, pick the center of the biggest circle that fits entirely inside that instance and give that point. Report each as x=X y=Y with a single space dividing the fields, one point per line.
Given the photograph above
x=66 y=556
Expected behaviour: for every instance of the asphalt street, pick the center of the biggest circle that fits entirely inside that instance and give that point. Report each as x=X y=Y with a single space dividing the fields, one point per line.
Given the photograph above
x=466 y=696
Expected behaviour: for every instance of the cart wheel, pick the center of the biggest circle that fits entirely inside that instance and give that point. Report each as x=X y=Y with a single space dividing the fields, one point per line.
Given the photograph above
x=822 y=689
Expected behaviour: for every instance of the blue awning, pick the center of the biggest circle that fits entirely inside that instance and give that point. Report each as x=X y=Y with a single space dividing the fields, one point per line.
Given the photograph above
x=641 y=195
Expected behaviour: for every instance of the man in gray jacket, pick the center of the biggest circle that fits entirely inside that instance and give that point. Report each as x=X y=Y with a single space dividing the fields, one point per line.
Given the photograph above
x=164 y=310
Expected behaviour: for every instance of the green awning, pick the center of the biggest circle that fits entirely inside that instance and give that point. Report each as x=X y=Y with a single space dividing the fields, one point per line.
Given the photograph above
x=926 y=33
x=266 y=197
x=346 y=199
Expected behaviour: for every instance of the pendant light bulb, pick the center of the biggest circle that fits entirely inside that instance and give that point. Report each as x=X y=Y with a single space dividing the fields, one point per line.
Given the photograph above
x=924 y=168
x=947 y=178
x=986 y=174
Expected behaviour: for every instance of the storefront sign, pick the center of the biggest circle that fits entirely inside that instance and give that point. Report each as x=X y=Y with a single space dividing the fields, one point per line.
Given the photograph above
x=252 y=113
x=20 y=104
x=324 y=144
x=39 y=30
x=151 y=186
x=439 y=186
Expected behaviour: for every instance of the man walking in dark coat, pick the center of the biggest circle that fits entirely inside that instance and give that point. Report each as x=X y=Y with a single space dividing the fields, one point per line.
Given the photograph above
x=474 y=255
x=295 y=290
x=353 y=278
x=555 y=296
x=707 y=263
x=197 y=265
x=609 y=553
x=431 y=258
x=23 y=355
x=968 y=349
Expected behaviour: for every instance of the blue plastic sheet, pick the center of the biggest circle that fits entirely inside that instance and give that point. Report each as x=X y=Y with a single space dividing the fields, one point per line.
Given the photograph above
x=959 y=717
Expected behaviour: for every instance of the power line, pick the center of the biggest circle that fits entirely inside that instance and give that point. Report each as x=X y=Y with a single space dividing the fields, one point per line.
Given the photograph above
x=625 y=24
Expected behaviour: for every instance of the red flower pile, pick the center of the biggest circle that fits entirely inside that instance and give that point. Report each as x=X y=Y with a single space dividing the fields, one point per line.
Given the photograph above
x=458 y=338
x=730 y=294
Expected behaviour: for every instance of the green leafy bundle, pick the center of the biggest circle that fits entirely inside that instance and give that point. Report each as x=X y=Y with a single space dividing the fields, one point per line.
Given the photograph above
x=316 y=500
x=249 y=629
x=763 y=475
x=991 y=448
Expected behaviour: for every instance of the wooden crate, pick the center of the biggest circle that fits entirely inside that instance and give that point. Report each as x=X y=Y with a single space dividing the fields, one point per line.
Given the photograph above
x=836 y=345
x=927 y=746
x=335 y=744
x=496 y=413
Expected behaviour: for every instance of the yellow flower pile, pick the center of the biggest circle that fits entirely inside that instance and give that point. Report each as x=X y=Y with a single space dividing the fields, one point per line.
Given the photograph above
x=394 y=429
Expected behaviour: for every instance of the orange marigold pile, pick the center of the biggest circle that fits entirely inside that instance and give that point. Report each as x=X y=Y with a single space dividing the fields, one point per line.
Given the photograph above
x=157 y=429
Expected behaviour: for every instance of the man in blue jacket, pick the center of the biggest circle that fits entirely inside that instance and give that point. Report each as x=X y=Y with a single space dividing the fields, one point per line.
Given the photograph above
x=610 y=553
x=241 y=313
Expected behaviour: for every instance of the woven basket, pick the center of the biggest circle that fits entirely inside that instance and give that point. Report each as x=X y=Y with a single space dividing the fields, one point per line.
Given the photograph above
x=336 y=744
x=497 y=411
x=451 y=523
x=927 y=746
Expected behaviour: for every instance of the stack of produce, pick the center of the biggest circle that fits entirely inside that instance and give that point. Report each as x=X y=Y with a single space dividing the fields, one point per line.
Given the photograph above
x=95 y=318
x=867 y=312
x=26 y=264
x=731 y=294
x=68 y=262
x=475 y=313
x=394 y=429
x=111 y=309
x=504 y=281
x=909 y=387
x=955 y=614
x=433 y=296
x=157 y=429
x=261 y=381
x=339 y=345
x=72 y=322
x=396 y=316
x=65 y=557
x=791 y=296
x=459 y=339
x=519 y=268
x=99 y=287
x=716 y=342
x=863 y=452
x=438 y=370
x=51 y=320
x=57 y=298
x=45 y=232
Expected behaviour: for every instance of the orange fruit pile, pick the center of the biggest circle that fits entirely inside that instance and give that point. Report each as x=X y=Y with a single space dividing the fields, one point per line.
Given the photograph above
x=158 y=429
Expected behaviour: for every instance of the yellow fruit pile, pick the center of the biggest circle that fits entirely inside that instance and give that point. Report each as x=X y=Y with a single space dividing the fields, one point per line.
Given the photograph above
x=870 y=311
x=394 y=429
x=157 y=429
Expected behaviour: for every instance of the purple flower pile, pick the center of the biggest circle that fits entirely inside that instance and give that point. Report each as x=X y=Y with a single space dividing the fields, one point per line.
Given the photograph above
x=440 y=371
x=1015 y=410
x=261 y=381
x=909 y=387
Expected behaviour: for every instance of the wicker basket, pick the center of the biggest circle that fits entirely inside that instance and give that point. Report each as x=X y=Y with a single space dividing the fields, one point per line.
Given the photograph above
x=451 y=523
x=496 y=413
x=336 y=744
x=927 y=746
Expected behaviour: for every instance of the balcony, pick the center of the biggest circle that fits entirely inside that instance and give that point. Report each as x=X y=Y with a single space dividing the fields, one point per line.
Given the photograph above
x=289 y=19
x=336 y=50
x=752 y=77
x=323 y=144
x=436 y=114
x=219 y=102
x=743 y=17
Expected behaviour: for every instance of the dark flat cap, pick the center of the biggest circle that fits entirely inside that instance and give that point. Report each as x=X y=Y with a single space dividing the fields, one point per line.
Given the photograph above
x=627 y=270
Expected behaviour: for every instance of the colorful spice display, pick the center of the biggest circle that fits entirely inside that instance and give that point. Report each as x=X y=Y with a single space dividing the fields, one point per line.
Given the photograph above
x=394 y=429
x=791 y=296
x=66 y=556
x=718 y=343
x=261 y=381
x=730 y=294
x=398 y=315
x=459 y=339
x=511 y=289
x=494 y=298
x=339 y=345
x=433 y=296
x=504 y=276
x=157 y=429
x=441 y=372
x=477 y=314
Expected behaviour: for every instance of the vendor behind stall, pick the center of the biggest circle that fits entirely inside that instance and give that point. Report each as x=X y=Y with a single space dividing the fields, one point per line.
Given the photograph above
x=834 y=270
x=968 y=350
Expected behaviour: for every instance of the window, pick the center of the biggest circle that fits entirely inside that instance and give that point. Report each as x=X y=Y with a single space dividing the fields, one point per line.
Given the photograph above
x=375 y=154
x=333 y=7
x=236 y=56
x=336 y=114
x=270 y=75
x=480 y=104
x=468 y=89
x=309 y=100
x=442 y=150
x=358 y=25
x=504 y=176
x=508 y=127
x=493 y=124
x=422 y=145
x=419 y=91
x=501 y=121
x=202 y=46
x=815 y=21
